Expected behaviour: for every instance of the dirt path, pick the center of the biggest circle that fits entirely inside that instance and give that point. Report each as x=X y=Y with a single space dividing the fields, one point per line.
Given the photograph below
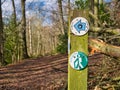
x=50 y=73
x=46 y=73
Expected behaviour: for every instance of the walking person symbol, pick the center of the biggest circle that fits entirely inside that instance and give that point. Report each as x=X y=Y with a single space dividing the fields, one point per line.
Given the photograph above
x=78 y=60
x=77 y=63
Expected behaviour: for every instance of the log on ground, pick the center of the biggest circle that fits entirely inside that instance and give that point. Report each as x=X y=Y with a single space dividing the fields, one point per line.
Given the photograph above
x=111 y=50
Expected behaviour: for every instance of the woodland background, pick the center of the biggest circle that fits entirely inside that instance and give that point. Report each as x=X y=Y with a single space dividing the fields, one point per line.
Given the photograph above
x=31 y=31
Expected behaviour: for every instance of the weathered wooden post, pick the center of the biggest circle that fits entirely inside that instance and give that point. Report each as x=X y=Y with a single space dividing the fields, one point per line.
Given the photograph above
x=77 y=50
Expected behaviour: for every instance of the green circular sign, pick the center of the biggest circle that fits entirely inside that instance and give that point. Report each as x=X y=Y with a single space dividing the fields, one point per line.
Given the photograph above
x=78 y=60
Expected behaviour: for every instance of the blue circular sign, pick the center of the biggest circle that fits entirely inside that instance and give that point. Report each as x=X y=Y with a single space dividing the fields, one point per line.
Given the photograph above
x=79 y=26
x=78 y=60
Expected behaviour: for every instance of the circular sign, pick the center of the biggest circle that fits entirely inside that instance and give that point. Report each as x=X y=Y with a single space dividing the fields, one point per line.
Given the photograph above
x=79 y=26
x=78 y=60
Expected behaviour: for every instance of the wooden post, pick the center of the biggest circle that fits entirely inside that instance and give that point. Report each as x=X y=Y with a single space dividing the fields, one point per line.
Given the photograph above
x=77 y=79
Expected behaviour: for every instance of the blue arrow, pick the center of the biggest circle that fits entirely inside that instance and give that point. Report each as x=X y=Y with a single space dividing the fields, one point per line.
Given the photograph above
x=80 y=26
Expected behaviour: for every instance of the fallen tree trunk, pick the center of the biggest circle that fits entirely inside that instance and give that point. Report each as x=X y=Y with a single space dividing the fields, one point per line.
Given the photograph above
x=111 y=50
x=106 y=30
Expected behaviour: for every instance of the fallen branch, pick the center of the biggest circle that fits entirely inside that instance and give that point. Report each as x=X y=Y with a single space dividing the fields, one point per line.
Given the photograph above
x=94 y=17
x=116 y=79
x=111 y=50
x=105 y=30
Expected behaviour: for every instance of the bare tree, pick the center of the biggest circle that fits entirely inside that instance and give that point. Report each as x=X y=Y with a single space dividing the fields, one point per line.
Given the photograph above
x=30 y=38
x=61 y=16
x=1 y=37
x=92 y=5
x=14 y=12
x=23 y=23
x=68 y=7
x=96 y=11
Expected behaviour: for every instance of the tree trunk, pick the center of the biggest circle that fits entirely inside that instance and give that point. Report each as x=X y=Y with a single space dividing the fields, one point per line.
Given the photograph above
x=69 y=7
x=25 y=54
x=1 y=37
x=92 y=5
x=14 y=12
x=30 y=37
x=111 y=50
x=38 y=42
x=101 y=2
x=96 y=11
x=61 y=16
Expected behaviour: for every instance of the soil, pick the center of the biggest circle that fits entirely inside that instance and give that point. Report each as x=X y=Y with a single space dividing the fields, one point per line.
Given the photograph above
x=45 y=73
x=103 y=73
x=50 y=73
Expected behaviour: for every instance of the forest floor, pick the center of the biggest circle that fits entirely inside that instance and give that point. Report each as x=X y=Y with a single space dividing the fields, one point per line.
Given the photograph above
x=50 y=73
x=103 y=73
